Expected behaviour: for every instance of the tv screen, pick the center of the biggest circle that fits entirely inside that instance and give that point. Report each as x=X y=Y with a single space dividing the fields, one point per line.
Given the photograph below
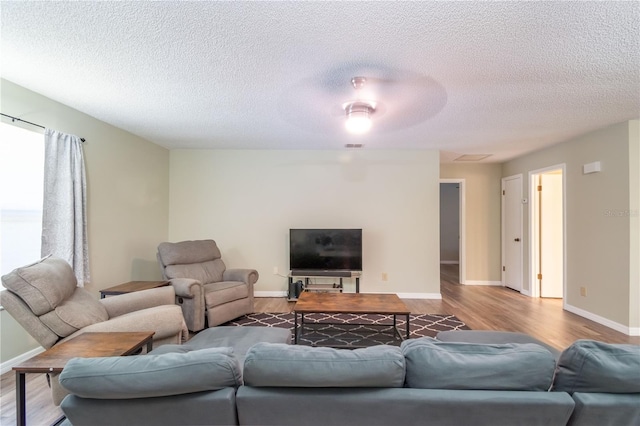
x=325 y=249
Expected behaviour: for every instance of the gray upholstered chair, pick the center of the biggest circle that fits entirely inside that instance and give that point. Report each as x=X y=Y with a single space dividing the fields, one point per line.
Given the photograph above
x=204 y=286
x=44 y=299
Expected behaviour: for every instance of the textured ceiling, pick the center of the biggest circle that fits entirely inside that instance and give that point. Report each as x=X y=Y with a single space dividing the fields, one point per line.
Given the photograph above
x=499 y=78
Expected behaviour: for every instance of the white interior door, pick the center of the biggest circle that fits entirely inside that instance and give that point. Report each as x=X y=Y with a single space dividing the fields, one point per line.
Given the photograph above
x=512 y=232
x=551 y=235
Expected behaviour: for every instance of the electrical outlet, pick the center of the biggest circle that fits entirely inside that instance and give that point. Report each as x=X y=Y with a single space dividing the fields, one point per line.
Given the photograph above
x=583 y=291
x=275 y=270
x=385 y=276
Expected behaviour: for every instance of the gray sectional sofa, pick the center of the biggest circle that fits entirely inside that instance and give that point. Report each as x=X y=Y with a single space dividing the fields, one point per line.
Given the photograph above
x=423 y=382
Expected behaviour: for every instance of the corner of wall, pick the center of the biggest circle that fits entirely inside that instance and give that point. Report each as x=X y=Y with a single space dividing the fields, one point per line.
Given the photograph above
x=634 y=224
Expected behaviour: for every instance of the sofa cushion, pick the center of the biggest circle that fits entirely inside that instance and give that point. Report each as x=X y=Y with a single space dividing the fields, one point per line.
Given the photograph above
x=206 y=272
x=240 y=339
x=42 y=285
x=216 y=294
x=78 y=311
x=490 y=337
x=432 y=364
x=590 y=366
x=281 y=365
x=185 y=252
x=146 y=376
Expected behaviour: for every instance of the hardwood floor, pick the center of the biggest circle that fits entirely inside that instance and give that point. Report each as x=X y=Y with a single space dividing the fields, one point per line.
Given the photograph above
x=497 y=308
x=481 y=308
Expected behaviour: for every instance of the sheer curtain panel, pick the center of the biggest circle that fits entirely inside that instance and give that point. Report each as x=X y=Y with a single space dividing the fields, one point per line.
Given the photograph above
x=64 y=220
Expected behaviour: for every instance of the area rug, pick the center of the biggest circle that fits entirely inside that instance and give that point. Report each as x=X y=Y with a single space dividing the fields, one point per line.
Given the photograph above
x=353 y=330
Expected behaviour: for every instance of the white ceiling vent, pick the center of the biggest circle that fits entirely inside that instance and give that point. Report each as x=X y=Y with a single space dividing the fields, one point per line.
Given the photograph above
x=472 y=157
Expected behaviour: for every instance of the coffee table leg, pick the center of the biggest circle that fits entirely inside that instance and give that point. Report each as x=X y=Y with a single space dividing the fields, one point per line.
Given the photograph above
x=408 y=332
x=395 y=328
x=21 y=409
x=295 y=328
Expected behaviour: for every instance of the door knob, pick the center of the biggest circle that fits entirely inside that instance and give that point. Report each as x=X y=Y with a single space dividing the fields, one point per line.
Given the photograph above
x=517 y=239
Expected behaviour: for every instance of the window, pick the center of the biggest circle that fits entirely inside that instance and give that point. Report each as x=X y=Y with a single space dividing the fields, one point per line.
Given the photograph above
x=21 y=186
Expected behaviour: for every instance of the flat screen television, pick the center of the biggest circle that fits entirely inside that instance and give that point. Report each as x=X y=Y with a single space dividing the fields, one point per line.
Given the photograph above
x=325 y=250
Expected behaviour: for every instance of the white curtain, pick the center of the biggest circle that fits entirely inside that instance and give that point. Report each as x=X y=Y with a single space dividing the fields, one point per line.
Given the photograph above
x=64 y=220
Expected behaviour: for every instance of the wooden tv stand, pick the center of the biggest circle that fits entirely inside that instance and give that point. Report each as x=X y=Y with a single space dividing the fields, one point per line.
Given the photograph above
x=308 y=286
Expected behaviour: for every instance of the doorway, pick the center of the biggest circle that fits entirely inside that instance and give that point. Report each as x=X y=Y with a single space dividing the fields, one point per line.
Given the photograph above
x=452 y=224
x=512 y=272
x=547 y=229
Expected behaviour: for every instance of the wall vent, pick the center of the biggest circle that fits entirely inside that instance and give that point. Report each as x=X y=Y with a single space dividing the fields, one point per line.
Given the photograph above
x=353 y=145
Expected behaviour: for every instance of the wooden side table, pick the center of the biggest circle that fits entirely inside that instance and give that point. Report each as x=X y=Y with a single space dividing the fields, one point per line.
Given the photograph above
x=131 y=286
x=85 y=345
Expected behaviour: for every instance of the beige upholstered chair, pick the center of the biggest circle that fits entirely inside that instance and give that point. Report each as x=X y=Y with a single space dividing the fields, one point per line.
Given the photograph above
x=44 y=299
x=203 y=284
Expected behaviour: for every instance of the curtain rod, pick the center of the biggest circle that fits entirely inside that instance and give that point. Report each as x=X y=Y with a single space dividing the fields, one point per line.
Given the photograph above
x=28 y=122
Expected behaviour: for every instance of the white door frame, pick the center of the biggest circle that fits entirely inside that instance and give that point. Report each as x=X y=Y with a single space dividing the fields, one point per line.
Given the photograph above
x=462 y=228
x=535 y=289
x=503 y=232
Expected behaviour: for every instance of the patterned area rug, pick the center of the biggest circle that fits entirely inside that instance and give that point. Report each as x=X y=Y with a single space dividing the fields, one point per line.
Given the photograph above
x=353 y=330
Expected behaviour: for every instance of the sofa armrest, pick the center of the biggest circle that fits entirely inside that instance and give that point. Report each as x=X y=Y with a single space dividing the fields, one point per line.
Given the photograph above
x=187 y=287
x=137 y=300
x=190 y=296
x=249 y=276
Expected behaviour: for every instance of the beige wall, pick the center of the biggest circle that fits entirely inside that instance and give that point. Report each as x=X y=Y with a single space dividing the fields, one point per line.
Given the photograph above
x=634 y=224
x=597 y=226
x=248 y=200
x=128 y=198
x=482 y=219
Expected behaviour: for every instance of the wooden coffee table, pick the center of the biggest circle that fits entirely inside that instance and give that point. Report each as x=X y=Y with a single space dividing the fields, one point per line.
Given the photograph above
x=350 y=303
x=85 y=345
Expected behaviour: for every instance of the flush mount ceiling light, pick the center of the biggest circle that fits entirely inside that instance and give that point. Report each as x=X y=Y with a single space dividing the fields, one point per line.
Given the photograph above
x=359 y=111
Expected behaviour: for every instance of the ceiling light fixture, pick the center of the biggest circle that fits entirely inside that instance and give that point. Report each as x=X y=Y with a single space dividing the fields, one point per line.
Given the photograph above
x=358 y=112
x=358 y=117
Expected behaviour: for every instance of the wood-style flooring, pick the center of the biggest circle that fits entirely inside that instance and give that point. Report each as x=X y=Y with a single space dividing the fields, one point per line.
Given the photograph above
x=481 y=308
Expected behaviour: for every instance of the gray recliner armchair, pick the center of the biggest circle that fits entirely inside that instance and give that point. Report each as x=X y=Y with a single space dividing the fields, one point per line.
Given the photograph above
x=44 y=299
x=203 y=284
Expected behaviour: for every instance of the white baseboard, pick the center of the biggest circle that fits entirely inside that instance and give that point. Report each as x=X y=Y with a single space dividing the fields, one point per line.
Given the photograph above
x=419 y=295
x=629 y=331
x=8 y=365
x=450 y=262
x=413 y=295
x=281 y=293
x=474 y=282
x=400 y=295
